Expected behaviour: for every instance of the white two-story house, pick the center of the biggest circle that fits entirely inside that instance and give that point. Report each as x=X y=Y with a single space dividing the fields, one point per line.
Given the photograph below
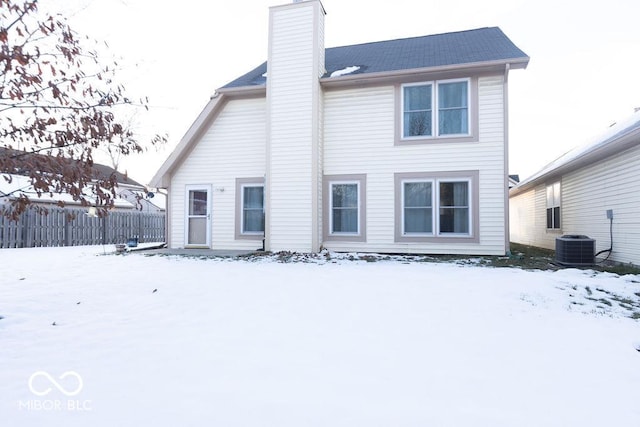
x=397 y=146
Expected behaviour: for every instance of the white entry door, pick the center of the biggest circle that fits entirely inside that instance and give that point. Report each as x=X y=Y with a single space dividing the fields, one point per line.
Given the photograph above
x=198 y=216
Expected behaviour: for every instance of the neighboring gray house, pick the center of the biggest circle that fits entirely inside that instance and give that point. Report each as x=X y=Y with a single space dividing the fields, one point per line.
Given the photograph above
x=393 y=146
x=130 y=193
x=579 y=192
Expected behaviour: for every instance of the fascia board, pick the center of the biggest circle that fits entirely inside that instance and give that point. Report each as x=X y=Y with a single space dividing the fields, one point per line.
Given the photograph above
x=162 y=176
x=389 y=76
x=589 y=157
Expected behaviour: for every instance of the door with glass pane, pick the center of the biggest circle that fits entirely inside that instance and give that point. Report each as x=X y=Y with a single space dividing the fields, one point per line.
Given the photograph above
x=198 y=216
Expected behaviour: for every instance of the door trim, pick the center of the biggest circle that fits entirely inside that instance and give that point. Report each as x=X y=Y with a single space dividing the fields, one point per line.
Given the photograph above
x=187 y=216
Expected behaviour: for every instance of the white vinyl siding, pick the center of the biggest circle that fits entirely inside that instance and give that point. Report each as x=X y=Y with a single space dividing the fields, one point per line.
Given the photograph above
x=359 y=138
x=528 y=219
x=587 y=194
x=294 y=106
x=522 y=215
x=233 y=146
x=610 y=184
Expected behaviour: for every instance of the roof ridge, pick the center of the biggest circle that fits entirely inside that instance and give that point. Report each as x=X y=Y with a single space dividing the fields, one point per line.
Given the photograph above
x=447 y=33
x=470 y=46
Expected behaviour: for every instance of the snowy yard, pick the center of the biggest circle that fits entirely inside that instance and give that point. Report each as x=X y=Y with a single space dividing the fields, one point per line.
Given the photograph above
x=88 y=339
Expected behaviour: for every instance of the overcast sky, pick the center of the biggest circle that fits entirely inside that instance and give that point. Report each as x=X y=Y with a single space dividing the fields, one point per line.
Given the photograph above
x=582 y=77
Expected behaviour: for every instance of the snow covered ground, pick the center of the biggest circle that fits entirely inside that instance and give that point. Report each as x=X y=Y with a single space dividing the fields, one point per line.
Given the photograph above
x=88 y=339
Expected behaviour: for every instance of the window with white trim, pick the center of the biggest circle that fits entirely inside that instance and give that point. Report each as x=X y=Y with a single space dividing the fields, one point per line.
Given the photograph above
x=438 y=108
x=553 y=206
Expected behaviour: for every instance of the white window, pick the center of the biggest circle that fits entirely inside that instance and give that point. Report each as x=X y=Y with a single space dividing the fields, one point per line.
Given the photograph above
x=438 y=109
x=252 y=209
x=417 y=110
x=417 y=199
x=453 y=108
x=345 y=208
x=451 y=201
x=437 y=206
x=249 y=209
x=453 y=216
x=553 y=206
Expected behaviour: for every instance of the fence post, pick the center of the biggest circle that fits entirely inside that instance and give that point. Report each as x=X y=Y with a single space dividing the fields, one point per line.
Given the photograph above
x=140 y=233
x=67 y=231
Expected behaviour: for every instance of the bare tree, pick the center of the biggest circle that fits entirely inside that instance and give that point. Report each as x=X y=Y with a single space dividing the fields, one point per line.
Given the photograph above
x=59 y=104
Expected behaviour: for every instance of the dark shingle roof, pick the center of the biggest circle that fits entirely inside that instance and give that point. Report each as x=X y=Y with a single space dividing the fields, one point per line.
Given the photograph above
x=464 y=47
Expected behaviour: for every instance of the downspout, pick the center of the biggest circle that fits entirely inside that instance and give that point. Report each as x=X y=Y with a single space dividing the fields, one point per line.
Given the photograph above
x=167 y=217
x=505 y=102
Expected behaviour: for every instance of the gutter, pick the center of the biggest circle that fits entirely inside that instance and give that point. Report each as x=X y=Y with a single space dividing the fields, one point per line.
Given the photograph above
x=477 y=67
x=599 y=151
x=391 y=75
x=243 y=91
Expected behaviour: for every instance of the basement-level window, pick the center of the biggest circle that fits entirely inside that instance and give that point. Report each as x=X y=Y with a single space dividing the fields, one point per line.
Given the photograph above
x=553 y=206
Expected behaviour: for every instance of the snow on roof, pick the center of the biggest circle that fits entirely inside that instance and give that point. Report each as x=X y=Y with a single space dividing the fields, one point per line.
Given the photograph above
x=22 y=185
x=345 y=71
x=461 y=47
x=608 y=138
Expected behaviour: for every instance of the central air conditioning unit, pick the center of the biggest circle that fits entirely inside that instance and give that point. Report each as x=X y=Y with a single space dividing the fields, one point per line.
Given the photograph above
x=574 y=250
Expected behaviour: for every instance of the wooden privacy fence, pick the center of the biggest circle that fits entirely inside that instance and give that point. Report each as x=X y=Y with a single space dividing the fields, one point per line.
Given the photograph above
x=73 y=227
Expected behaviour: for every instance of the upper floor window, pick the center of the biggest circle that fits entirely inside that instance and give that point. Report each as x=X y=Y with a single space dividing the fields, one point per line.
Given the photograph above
x=437 y=109
x=453 y=108
x=417 y=110
x=553 y=206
